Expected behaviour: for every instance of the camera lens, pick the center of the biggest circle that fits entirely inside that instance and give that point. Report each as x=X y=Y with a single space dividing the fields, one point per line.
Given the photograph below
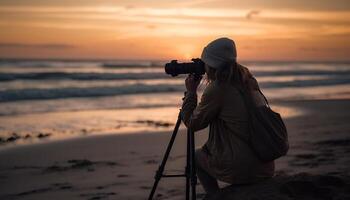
x=174 y=68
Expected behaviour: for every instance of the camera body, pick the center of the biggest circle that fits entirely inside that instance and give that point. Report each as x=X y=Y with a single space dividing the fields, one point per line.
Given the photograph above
x=195 y=67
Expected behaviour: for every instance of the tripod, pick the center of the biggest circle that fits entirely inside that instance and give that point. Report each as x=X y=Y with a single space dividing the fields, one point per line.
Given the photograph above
x=190 y=170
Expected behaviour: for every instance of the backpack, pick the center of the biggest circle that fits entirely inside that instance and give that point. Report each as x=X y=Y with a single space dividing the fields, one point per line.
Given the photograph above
x=268 y=135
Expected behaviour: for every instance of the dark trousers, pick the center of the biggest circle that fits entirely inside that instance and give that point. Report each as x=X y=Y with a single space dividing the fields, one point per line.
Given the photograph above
x=209 y=183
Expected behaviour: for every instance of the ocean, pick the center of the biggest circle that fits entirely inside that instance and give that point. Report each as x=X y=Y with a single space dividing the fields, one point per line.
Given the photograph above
x=44 y=100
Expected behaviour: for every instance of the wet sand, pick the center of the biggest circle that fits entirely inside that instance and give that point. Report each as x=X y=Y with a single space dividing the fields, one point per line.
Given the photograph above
x=123 y=166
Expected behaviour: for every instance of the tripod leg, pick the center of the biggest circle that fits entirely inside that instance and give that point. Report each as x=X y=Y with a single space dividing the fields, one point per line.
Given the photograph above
x=188 y=166
x=160 y=170
x=193 y=166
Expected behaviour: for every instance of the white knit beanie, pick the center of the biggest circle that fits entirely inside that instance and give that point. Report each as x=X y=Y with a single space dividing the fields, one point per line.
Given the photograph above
x=219 y=52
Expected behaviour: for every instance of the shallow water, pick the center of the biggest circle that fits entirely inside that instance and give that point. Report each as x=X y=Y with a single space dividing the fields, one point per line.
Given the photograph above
x=69 y=124
x=48 y=100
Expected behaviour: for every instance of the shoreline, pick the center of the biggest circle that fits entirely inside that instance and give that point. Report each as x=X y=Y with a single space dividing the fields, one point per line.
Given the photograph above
x=294 y=107
x=37 y=128
x=123 y=166
x=298 y=108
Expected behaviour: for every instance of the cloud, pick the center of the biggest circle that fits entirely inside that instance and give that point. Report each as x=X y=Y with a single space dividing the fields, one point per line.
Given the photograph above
x=151 y=26
x=252 y=13
x=41 y=46
x=323 y=49
x=129 y=7
x=192 y=3
x=129 y=11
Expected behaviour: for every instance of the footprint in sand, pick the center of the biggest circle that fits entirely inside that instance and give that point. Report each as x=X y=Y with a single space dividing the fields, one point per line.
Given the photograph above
x=101 y=187
x=63 y=186
x=123 y=175
x=80 y=164
x=34 y=191
x=145 y=187
x=151 y=162
x=54 y=187
x=98 y=195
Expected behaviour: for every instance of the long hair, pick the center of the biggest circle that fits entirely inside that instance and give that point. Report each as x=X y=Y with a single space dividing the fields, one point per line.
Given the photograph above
x=233 y=74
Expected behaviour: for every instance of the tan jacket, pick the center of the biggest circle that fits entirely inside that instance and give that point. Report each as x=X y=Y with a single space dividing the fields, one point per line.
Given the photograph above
x=230 y=159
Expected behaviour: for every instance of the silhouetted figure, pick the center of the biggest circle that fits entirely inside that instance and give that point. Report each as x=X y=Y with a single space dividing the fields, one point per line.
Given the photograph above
x=225 y=156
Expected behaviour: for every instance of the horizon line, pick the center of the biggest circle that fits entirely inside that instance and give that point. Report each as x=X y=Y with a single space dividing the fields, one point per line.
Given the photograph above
x=153 y=60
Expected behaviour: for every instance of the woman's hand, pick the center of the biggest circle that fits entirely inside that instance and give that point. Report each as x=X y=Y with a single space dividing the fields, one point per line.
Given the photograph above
x=192 y=82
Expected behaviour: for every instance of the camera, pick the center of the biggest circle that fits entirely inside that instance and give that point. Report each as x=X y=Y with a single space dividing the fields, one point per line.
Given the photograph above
x=195 y=67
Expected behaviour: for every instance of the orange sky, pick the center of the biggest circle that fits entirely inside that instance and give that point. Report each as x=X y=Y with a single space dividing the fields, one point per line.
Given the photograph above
x=168 y=29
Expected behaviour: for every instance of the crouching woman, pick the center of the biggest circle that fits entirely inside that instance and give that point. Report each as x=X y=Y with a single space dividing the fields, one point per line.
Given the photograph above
x=226 y=156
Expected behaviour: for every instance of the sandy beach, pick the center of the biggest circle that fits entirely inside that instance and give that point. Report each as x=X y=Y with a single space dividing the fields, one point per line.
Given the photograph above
x=123 y=166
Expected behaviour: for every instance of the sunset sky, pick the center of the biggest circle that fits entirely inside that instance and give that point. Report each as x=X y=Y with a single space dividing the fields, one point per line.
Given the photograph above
x=167 y=29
